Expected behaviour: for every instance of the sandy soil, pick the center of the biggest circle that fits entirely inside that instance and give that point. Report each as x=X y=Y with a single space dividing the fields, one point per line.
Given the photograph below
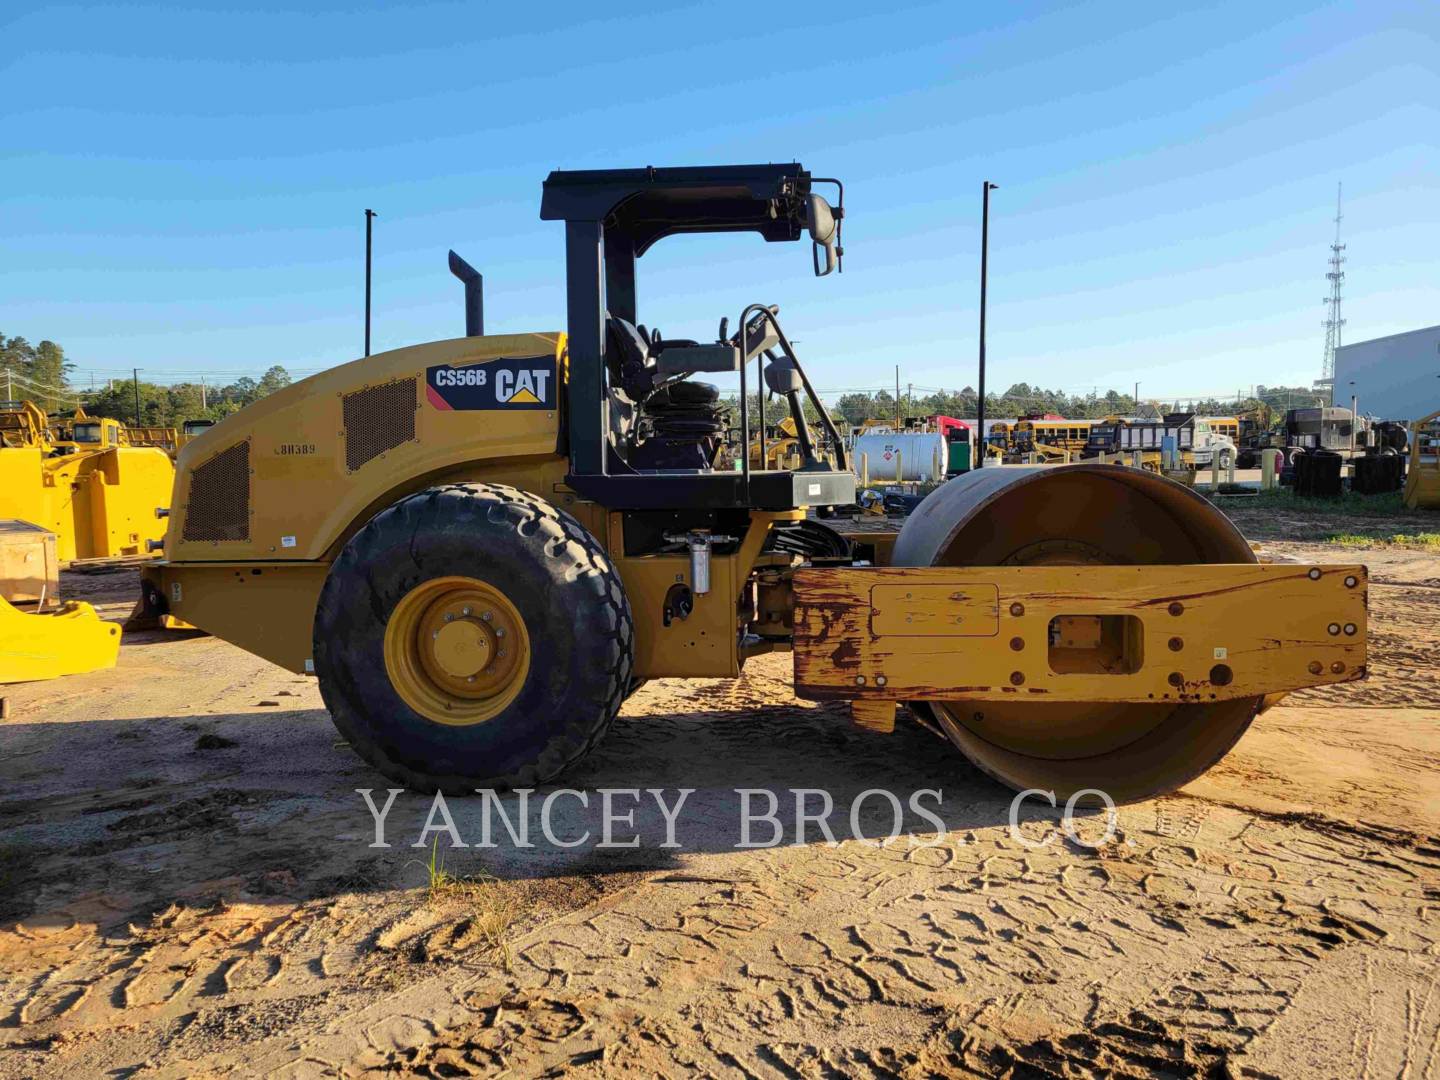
x=186 y=889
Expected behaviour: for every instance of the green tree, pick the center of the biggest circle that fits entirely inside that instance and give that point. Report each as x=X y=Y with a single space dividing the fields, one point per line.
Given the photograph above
x=50 y=372
x=276 y=378
x=853 y=408
x=38 y=372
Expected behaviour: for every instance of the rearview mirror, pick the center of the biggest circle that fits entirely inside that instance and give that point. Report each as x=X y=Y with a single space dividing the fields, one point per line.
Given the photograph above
x=820 y=220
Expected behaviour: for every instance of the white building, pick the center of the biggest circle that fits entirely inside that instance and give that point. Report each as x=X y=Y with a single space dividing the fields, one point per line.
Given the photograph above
x=1393 y=378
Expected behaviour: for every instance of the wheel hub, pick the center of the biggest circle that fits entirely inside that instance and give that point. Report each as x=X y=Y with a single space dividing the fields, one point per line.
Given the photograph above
x=456 y=650
x=462 y=649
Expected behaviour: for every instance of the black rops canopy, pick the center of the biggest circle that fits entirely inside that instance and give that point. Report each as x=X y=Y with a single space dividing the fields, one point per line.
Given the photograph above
x=612 y=217
x=645 y=205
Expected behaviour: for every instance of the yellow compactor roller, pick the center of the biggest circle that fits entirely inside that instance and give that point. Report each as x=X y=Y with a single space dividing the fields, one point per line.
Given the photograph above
x=481 y=545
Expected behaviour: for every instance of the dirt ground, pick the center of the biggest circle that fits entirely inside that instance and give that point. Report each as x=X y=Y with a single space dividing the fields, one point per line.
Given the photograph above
x=187 y=889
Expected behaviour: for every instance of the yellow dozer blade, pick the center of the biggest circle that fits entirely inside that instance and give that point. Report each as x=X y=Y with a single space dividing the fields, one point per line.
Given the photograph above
x=71 y=641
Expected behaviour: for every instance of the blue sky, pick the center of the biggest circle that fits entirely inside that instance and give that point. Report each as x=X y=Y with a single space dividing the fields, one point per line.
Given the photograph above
x=181 y=187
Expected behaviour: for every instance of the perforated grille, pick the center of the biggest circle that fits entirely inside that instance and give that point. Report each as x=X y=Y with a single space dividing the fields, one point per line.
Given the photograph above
x=219 y=507
x=377 y=420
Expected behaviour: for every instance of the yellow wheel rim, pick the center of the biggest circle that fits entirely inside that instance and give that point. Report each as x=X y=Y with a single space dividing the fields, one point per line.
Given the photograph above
x=456 y=650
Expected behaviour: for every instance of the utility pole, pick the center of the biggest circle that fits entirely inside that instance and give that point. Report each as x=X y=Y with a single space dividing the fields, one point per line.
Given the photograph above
x=985 y=189
x=369 y=223
x=203 y=404
x=135 y=374
x=897 y=396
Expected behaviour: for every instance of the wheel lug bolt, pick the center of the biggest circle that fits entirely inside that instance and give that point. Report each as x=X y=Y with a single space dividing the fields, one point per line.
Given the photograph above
x=449 y=616
x=436 y=634
x=485 y=615
x=470 y=678
x=465 y=611
x=500 y=653
x=500 y=631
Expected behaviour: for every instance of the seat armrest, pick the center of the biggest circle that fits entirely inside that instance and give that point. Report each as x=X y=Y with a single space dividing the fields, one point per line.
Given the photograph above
x=682 y=359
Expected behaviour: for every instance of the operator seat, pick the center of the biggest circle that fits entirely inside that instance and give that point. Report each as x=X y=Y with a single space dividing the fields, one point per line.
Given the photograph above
x=631 y=367
x=657 y=423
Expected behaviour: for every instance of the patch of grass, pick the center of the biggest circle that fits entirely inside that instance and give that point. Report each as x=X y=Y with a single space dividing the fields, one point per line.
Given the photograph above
x=1424 y=541
x=1390 y=504
x=492 y=905
x=440 y=879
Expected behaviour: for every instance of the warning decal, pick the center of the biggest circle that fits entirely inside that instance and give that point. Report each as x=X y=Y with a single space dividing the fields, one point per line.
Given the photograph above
x=526 y=382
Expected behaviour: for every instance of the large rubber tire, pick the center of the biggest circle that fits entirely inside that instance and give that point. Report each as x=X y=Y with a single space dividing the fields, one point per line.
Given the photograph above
x=574 y=610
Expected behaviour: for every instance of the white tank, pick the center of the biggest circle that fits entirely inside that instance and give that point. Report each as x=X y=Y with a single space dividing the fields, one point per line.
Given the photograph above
x=919 y=456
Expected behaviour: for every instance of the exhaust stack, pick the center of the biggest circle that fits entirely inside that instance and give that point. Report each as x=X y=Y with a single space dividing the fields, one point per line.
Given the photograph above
x=474 y=295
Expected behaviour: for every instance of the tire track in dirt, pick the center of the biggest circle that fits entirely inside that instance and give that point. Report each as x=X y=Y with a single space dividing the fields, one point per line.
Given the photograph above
x=1247 y=931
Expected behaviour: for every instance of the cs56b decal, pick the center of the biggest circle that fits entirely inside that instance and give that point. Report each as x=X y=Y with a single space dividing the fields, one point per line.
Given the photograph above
x=526 y=382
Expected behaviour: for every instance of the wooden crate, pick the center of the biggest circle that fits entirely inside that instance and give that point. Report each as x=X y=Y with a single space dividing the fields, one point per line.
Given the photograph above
x=29 y=568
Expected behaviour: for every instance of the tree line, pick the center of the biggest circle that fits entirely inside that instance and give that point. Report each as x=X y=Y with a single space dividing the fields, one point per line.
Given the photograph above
x=1022 y=399
x=171 y=406
x=41 y=373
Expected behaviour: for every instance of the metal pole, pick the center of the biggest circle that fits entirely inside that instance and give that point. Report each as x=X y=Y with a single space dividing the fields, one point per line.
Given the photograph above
x=135 y=374
x=369 y=224
x=984 y=273
x=1354 y=419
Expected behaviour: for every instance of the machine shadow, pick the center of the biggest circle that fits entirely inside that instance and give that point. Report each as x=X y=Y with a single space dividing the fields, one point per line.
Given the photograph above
x=156 y=808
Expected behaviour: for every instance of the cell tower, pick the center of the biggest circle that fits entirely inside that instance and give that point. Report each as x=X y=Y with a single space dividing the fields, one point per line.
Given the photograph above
x=1333 y=321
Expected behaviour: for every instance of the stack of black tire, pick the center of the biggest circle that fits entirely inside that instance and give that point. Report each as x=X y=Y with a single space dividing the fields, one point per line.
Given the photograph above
x=1317 y=473
x=1375 y=474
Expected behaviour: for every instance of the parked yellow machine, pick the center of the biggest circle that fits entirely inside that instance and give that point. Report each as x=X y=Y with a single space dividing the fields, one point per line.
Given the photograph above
x=481 y=545
x=169 y=439
x=96 y=493
x=781 y=448
x=23 y=423
x=1422 y=471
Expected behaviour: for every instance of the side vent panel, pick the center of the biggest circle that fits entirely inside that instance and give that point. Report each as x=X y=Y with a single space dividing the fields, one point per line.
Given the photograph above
x=378 y=419
x=219 y=507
